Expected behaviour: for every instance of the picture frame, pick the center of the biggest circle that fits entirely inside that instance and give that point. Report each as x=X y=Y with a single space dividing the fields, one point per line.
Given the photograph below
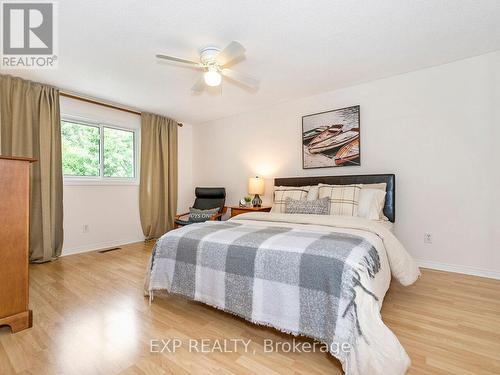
x=331 y=138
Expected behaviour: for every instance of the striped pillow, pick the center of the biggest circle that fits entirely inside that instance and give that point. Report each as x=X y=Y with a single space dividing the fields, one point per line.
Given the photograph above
x=343 y=198
x=283 y=192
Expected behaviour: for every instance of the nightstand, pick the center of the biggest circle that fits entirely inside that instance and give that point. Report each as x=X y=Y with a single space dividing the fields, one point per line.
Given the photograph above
x=236 y=210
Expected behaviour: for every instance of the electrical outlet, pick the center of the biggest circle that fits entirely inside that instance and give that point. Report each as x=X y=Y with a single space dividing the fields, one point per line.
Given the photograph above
x=427 y=237
x=85 y=228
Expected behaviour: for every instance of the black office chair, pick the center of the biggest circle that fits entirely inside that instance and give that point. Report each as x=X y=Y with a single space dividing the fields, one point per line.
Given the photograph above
x=206 y=199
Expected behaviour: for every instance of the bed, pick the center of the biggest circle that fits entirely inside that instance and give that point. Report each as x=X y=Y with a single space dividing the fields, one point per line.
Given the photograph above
x=320 y=276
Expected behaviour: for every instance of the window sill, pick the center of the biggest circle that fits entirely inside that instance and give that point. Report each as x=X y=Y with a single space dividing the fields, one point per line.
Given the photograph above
x=99 y=182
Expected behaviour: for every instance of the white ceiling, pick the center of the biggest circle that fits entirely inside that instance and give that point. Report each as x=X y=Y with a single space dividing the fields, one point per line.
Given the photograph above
x=296 y=48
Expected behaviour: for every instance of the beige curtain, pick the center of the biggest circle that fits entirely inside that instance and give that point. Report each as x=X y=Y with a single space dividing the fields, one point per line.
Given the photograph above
x=158 y=186
x=30 y=126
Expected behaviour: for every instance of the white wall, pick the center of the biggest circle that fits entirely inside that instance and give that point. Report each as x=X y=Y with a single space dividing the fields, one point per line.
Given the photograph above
x=111 y=211
x=437 y=129
x=185 y=197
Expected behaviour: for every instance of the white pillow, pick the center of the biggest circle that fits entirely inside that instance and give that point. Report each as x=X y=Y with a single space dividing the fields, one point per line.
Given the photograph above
x=379 y=186
x=313 y=193
x=371 y=203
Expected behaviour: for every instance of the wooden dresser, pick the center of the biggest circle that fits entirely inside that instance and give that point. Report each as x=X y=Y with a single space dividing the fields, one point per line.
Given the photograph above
x=14 y=241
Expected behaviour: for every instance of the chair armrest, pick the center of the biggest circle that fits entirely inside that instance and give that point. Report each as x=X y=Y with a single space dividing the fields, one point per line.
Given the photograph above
x=178 y=217
x=216 y=216
x=219 y=215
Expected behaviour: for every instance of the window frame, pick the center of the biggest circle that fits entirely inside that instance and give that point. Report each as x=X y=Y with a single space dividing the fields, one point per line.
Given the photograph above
x=101 y=179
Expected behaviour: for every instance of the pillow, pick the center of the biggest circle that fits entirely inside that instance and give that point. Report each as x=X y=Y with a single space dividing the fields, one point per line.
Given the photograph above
x=313 y=193
x=343 y=198
x=379 y=186
x=282 y=192
x=317 y=207
x=371 y=203
x=199 y=216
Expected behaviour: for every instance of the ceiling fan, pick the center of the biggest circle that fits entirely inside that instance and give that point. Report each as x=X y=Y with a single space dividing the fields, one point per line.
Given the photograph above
x=216 y=63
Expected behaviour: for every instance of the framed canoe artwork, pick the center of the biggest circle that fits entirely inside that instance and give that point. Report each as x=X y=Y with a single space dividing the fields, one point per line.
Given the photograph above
x=331 y=139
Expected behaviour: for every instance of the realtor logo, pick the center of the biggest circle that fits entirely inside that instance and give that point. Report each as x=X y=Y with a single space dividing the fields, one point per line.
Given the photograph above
x=28 y=31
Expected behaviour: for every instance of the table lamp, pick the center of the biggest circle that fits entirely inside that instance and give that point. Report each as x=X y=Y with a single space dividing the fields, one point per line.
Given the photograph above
x=256 y=186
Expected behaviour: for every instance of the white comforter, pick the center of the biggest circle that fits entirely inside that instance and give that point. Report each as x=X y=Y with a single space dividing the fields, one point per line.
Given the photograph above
x=384 y=354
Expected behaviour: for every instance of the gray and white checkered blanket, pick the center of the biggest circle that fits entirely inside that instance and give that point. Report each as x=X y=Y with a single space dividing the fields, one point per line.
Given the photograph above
x=303 y=282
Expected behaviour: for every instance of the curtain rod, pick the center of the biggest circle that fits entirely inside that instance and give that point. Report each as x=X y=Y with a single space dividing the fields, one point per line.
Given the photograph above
x=101 y=103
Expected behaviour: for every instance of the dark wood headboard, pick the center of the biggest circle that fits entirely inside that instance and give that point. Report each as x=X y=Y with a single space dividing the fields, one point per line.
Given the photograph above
x=389 y=179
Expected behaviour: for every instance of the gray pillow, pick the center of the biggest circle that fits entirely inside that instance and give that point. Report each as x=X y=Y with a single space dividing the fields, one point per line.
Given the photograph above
x=199 y=216
x=317 y=207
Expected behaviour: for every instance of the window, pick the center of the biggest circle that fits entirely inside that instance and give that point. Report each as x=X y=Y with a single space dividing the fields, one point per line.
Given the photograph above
x=94 y=151
x=118 y=153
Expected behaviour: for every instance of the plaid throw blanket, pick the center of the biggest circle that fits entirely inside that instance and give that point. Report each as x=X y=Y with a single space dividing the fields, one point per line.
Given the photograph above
x=302 y=282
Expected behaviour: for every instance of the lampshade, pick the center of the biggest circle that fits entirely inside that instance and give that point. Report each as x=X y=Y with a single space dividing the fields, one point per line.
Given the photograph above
x=256 y=185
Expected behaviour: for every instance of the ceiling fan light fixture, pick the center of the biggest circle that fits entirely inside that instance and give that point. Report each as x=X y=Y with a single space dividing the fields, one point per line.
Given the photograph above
x=215 y=63
x=212 y=78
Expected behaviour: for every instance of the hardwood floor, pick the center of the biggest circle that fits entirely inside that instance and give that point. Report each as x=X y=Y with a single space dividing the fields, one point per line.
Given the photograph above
x=90 y=317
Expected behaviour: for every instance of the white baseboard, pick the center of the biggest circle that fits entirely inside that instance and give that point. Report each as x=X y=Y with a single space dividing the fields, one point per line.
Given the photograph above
x=99 y=246
x=459 y=269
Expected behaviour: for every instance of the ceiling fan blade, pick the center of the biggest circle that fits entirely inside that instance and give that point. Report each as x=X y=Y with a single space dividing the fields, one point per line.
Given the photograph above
x=177 y=59
x=232 y=51
x=199 y=86
x=243 y=78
